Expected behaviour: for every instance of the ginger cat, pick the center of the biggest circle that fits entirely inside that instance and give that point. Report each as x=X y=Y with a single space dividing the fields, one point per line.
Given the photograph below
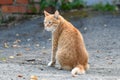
x=68 y=47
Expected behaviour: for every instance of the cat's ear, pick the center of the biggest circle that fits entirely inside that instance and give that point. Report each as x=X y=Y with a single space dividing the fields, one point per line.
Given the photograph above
x=46 y=13
x=56 y=14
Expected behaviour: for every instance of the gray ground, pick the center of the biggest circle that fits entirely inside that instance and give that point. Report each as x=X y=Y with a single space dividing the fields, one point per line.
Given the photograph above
x=25 y=49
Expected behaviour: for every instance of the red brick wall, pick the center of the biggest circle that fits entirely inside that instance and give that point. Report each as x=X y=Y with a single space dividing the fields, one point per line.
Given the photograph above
x=19 y=6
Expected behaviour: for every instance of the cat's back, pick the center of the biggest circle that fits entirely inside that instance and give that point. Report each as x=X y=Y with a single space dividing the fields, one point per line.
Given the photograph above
x=70 y=35
x=71 y=31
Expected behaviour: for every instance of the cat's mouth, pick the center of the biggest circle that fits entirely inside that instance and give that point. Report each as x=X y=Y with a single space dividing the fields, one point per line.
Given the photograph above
x=49 y=29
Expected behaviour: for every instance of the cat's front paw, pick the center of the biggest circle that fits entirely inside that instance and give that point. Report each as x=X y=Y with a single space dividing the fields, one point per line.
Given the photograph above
x=51 y=63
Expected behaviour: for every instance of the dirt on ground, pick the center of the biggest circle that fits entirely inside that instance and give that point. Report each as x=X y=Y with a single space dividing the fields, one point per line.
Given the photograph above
x=25 y=49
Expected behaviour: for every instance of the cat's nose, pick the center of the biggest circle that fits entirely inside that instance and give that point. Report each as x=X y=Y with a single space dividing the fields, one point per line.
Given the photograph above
x=46 y=25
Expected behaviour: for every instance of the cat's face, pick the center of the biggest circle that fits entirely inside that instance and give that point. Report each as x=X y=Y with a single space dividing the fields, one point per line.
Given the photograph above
x=51 y=21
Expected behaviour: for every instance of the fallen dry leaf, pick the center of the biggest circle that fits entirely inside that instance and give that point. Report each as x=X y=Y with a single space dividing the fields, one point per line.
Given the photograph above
x=6 y=45
x=11 y=57
x=30 y=60
x=15 y=46
x=19 y=54
x=20 y=76
x=33 y=77
x=27 y=49
x=3 y=59
x=17 y=41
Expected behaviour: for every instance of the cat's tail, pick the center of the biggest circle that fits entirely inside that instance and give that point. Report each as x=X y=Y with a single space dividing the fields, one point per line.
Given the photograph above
x=79 y=69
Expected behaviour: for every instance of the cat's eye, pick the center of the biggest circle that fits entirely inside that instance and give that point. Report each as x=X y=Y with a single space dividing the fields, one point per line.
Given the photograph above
x=50 y=22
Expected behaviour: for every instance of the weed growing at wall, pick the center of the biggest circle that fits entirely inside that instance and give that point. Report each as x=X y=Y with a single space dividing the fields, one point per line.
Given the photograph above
x=104 y=7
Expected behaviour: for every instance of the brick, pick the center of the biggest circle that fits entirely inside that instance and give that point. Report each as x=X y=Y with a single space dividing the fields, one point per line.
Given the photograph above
x=6 y=2
x=14 y=9
x=22 y=1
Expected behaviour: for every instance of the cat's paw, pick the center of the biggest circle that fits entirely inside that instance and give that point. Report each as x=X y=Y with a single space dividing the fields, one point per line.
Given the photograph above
x=59 y=68
x=51 y=63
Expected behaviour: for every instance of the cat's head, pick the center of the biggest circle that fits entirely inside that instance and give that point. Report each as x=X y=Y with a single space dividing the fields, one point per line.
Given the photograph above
x=51 y=21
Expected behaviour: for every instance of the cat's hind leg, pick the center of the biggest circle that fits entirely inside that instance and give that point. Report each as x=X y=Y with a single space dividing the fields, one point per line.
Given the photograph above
x=62 y=61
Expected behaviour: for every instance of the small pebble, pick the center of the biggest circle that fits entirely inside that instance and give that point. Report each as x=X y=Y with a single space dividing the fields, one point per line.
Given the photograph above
x=105 y=25
x=85 y=28
x=110 y=63
x=49 y=39
x=98 y=51
x=17 y=34
x=28 y=39
x=37 y=45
